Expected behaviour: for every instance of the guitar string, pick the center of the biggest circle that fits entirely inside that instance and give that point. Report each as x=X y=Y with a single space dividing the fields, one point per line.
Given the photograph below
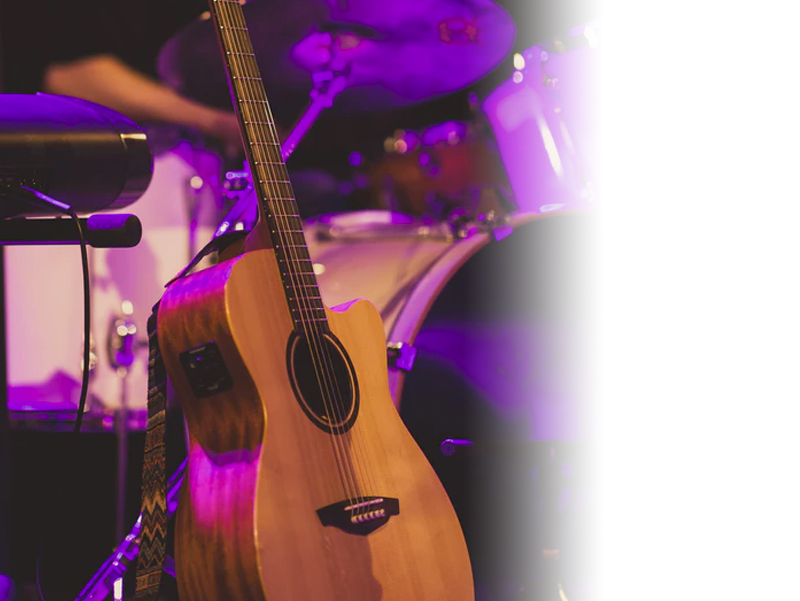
x=251 y=87
x=315 y=338
x=226 y=19
x=354 y=442
x=349 y=437
x=323 y=348
x=237 y=20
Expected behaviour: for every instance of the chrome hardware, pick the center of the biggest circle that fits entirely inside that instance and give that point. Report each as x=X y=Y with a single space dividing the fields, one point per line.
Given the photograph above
x=401 y=355
x=122 y=340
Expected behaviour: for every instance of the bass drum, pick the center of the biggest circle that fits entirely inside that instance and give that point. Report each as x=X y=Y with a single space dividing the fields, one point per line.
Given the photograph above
x=497 y=322
x=492 y=309
x=501 y=361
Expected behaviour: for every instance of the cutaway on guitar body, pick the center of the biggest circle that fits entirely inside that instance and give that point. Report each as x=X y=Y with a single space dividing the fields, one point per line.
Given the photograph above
x=263 y=510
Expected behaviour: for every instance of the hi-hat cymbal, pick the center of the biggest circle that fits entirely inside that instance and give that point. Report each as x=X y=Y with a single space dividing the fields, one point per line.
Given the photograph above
x=393 y=52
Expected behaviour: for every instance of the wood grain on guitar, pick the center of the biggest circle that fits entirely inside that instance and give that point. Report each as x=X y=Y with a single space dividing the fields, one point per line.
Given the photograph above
x=302 y=482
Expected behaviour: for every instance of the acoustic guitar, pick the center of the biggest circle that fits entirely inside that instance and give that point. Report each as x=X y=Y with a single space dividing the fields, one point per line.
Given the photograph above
x=302 y=482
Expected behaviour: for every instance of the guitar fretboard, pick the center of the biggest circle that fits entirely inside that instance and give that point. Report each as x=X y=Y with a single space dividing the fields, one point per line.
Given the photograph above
x=277 y=205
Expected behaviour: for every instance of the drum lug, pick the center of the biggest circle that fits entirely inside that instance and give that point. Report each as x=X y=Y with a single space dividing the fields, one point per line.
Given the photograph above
x=401 y=355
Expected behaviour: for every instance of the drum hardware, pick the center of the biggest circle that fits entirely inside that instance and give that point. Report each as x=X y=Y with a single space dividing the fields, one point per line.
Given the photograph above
x=327 y=85
x=122 y=340
x=192 y=189
x=463 y=225
x=378 y=225
x=401 y=356
x=121 y=347
x=450 y=445
x=101 y=585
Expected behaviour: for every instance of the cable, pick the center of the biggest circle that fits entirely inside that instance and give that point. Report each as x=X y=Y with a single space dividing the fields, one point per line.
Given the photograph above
x=87 y=324
x=41 y=198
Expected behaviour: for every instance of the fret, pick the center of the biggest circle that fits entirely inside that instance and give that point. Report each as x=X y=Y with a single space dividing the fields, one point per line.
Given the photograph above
x=281 y=200
x=287 y=213
x=254 y=110
x=271 y=181
x=275 y=162
x=283 y=205
x=304 y=281
x=299 y=255
x=231 y=53
x=288 y=234
x=301 y=264
x=307 y=280
x=309 y=304
x=320 y=316
x=291 y=220
x=295 y=237
x=268 y=151
x=271 y=146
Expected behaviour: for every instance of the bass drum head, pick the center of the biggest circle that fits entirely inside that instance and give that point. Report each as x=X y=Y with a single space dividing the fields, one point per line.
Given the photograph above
x=499 y=363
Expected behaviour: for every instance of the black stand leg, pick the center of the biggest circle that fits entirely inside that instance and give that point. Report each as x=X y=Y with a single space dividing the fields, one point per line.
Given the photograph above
x=5 y=555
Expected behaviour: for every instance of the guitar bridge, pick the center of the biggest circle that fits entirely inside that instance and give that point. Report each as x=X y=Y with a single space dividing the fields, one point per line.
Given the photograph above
x=363 y=516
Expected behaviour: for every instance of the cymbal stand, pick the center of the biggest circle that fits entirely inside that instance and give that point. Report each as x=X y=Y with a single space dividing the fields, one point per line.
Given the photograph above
x=327 y=86
x=103 y=582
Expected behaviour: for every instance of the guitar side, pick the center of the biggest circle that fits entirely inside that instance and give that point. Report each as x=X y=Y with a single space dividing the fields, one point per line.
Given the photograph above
x=259 y=469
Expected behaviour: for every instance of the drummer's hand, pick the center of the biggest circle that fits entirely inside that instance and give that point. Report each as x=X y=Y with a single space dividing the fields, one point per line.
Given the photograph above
x=225 y=128
x=313 y=52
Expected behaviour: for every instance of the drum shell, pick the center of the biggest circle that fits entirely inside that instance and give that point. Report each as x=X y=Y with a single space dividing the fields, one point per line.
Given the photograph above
x=45 y=301
x=446 y=167
x=488 y=312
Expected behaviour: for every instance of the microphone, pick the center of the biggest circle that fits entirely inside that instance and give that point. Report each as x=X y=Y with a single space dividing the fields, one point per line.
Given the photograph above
x=85 y=155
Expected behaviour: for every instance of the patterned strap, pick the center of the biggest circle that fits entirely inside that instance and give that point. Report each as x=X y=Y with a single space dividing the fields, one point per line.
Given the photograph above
x=154 y=498
x=152 y=549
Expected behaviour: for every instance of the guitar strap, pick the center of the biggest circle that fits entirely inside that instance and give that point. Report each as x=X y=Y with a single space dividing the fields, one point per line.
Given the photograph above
x=152 y=549
x=154 y=488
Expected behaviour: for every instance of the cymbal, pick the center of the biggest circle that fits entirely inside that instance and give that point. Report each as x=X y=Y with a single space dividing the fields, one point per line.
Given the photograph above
x=392 y=52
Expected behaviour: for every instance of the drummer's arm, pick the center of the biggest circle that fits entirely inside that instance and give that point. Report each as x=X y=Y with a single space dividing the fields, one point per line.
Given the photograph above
x=108 y=81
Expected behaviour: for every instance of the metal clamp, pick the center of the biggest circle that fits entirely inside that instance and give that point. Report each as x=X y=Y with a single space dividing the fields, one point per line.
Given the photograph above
x=401 y=355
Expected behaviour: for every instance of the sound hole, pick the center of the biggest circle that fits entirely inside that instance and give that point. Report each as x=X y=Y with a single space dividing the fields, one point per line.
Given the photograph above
x=324 y=382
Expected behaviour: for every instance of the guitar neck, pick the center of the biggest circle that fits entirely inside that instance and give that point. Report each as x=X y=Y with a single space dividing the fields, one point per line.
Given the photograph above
x=277 y=205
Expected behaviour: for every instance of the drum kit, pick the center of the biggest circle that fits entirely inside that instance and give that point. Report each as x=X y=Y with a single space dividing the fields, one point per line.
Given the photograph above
x=439 y=195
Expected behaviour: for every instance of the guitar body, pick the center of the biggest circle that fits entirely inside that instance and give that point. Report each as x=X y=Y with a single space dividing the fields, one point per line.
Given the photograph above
x=260 y=468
